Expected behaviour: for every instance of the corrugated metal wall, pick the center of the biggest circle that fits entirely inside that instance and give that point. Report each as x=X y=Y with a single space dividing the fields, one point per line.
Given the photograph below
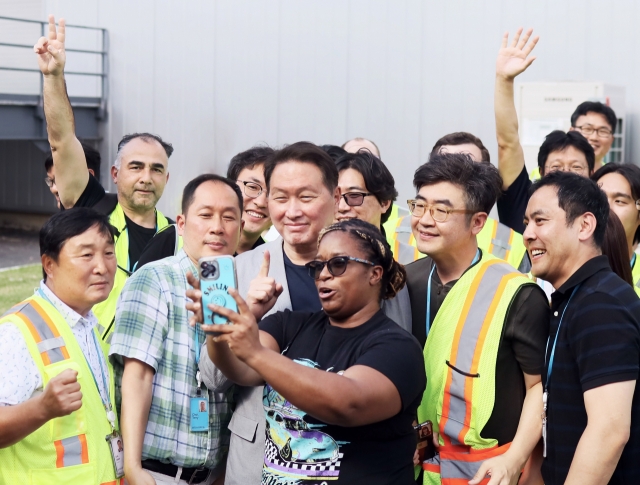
x=215 y=77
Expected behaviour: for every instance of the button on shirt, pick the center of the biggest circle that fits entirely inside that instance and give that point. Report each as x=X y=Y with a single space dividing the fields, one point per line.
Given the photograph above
x=19 y=375
x=152 y=326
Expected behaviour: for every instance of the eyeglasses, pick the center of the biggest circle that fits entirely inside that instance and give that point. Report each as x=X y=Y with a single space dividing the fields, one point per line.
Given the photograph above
x=336 y=266
x=50 y=182
x=589 y=129
x=250 y=189
x=439 y=212
x=355 y=199
x=577 y=169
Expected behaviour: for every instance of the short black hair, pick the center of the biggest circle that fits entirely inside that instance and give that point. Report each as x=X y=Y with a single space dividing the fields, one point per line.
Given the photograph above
x=91 y=155
x=480 y=182
x=576 y=196
x=248 y=159
x=461 y=138
x=595 y=107
x=304 y=152
x=377 y=177
x=147 y=137
x=377 y=250
x=189 y=191
x=334 y=151
x=64 y=225
x=558 y=141
x=632 y=174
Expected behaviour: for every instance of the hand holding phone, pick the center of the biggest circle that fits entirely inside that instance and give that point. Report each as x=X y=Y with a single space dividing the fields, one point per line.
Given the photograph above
x=217 y=275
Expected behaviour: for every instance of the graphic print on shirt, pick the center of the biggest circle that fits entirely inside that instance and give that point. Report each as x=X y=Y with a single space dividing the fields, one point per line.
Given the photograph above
x=296 y=452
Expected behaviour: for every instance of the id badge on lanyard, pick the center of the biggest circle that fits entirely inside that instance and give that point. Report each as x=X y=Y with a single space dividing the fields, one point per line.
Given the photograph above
x=199 y=404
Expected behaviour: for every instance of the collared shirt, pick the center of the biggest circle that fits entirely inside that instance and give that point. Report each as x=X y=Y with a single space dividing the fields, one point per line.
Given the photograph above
x=19 y=375
x=521 y=349
x=152 y=326
x=598 y=344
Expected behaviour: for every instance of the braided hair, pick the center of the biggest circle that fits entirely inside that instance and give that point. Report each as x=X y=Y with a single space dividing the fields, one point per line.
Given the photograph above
x=377 y=250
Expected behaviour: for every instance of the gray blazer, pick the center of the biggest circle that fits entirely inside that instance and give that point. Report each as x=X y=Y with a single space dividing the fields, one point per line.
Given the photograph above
x=247 y=426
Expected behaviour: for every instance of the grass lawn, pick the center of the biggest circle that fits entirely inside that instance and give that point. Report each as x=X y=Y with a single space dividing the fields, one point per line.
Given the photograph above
x=17 y=284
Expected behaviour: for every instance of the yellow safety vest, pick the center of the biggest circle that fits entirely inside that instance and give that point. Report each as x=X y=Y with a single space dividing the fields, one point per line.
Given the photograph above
x=635 y=273
x=71 y=449
x=535 y=174
x=460 y=360
x=494 y=238
x=106 y=311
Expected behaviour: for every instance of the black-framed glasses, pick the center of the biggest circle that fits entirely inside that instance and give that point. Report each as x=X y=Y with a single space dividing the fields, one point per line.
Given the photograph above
x=250 y=189
x=354 y=199
x=336 y=266
x=588 y=130
x=49 y=182
x=439 y=212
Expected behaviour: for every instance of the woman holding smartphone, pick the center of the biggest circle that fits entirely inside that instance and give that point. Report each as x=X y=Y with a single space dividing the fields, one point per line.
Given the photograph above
x=341 y=385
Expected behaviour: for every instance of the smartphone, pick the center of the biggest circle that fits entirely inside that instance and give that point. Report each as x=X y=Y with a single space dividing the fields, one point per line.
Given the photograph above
x=217 y=275
x=426 y=448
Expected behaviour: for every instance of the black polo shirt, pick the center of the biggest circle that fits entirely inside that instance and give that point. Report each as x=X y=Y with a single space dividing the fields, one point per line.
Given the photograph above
x=521 y=350
x=512 y=204
x=598 y=344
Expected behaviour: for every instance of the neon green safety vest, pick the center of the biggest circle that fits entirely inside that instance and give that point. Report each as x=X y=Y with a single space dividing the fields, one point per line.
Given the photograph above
x=495 y=238
x=106 y=311
x=71 y=449
x=460 y=360
x=635 y=273
x=535 y=174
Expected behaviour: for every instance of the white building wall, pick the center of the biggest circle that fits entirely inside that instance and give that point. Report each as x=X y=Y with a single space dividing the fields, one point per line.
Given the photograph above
x=216 y=77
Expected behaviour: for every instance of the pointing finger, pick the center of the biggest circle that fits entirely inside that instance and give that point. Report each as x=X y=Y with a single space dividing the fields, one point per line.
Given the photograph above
x=264 y=269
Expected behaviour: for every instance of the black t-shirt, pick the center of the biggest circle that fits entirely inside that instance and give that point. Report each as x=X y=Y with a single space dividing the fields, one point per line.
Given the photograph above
x=95 y=197
x=302 y=287
x=521 y=349
x=139 y=237
x=300 y=447
x=512 y=204
x=598 y=344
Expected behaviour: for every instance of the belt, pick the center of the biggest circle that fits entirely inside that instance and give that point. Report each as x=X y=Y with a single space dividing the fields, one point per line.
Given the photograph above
x=189 y=475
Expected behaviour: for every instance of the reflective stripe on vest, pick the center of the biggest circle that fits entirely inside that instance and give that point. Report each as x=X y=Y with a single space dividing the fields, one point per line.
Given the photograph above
x=44 y=332
x=460 y=360
x=106 y=311
x=69 y=449
x=494 y=238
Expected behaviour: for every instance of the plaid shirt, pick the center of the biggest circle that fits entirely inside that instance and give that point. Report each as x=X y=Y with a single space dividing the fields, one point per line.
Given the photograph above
x=152 y=327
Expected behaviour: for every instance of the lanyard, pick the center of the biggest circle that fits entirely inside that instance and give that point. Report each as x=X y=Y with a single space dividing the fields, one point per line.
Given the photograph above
x=555 y=341
x=428 y=325
x=197 y=349
x=633 y=260
x=106 y=402
x=545 y=394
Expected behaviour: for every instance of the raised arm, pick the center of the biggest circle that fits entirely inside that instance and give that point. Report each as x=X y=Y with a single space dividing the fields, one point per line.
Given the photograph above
x=70 y=165
x=512 y=60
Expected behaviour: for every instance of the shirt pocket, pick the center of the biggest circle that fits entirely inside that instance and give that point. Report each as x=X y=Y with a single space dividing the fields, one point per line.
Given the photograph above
x=73 y=474
x=243 y=427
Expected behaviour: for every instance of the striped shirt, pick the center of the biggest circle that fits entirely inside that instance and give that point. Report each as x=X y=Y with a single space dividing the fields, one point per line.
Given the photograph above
x=152 y=327
x=598 y=344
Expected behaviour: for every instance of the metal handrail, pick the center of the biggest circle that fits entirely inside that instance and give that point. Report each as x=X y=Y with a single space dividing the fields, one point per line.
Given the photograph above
x=103 y=53
x=47 y=22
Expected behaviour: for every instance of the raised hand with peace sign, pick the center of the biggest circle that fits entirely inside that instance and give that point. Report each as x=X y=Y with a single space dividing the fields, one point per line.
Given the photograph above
x=50 y=50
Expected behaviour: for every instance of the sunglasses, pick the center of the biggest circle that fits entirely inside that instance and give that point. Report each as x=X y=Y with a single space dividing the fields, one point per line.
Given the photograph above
x=355 y=199
x=336 y=266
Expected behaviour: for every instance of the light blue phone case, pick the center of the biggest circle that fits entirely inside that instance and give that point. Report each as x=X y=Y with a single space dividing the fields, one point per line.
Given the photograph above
x=217 y=275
